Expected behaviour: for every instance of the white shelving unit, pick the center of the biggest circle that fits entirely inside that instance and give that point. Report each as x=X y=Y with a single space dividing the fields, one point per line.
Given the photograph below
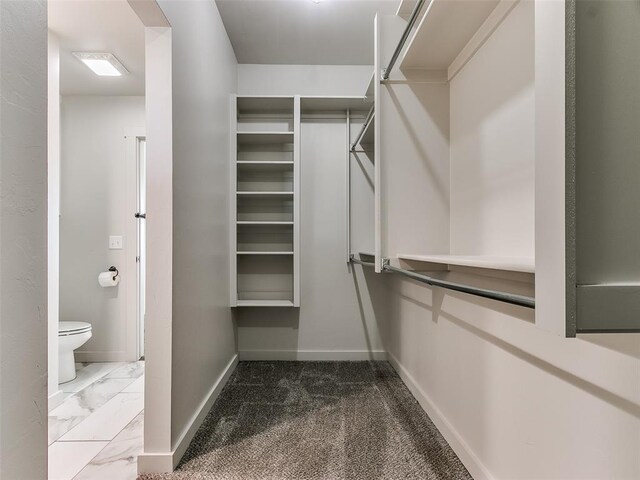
x=264 y=207
x=509 y=264
x=470 y=191
x=449 y=33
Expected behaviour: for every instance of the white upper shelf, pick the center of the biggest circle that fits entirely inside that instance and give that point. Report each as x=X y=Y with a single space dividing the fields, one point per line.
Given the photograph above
x=511 y=264
x=335 y=103
x=251 y=104
x=446 y=28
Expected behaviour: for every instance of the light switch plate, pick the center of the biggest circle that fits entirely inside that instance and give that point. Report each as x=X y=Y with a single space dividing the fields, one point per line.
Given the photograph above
x=115 y=242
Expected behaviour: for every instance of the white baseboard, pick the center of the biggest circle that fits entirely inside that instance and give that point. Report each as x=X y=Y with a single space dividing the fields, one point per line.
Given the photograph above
x=470 y=460
x=311 y=355
x=55 y=400
x=155 y=463
x=167 y=462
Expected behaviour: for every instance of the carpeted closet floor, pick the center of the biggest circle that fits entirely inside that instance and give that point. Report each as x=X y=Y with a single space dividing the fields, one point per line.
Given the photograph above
x=317 y=421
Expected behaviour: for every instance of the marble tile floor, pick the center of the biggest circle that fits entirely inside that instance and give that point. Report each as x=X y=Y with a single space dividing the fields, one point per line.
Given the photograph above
x=96 y=433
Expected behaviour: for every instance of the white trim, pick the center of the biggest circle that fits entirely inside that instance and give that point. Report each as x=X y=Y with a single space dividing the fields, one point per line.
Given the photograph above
x=470 y=460
x=166 y=462
x=312 y=355
x=55 y=400
x=479 y=38
x=155 y=463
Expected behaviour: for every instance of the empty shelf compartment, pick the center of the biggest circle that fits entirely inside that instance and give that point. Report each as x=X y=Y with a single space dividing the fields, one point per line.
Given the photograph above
x=264 y=138
x=265 y=152
x=265 y=178
x=265 y=277
x=265 y=238
x=266 y=105
x=275 y=208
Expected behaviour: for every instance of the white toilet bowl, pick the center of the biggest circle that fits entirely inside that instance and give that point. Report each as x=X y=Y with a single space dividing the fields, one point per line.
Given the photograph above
x=71 y=335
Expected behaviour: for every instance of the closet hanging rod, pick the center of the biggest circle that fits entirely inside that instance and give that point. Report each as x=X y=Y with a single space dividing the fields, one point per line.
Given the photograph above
x=405 y=36
x=353 y=259
x=511 y=298
x=364 y=128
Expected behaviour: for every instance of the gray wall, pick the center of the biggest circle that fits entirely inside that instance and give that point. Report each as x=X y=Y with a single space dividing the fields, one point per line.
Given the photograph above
x=303 y=79
x=204 y=74
x=23 y=240
x=607 y=103
x=98 y=199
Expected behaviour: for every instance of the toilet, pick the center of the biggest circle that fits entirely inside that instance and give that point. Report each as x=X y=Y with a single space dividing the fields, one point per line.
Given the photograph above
x=71 y=335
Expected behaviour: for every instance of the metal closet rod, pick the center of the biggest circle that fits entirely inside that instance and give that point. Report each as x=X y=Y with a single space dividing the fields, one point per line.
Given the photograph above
x=364 y=127
x=403 y=39
x=511 y=298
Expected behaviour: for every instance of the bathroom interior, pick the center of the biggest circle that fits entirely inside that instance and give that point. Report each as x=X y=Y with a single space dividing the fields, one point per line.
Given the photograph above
x=96 y=253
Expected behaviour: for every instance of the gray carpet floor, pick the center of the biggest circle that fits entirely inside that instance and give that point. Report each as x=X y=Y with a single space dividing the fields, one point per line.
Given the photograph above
x=317 y=421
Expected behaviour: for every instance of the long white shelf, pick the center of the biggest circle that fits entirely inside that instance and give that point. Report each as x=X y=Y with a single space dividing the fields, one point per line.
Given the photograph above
x=263 y=253
x=444 y=31
x=263 y=162
x=265 y=303
x=318 y=104
x=266 y=194
x=512 y=264
x=262 y=138
x=246 y=222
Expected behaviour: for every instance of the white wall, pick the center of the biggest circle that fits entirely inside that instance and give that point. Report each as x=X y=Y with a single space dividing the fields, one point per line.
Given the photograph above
x=53 y=216
x=492 y=167
x=303 y=79
x=98 y=182
x=336 y=318
x=23 y=240
x=203 y=337
x=159 y=228
x=514 y=401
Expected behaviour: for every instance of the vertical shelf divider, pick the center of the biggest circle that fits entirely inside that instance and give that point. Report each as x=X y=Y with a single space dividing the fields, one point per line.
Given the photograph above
x=233 y=211
x=296 y=201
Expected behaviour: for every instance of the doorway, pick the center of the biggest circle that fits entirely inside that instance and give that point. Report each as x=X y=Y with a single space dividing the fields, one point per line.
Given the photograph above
x=141 y=217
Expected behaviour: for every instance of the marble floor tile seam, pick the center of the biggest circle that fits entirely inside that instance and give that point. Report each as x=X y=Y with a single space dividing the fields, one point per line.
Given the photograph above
x=97 y=427
x=79 y=383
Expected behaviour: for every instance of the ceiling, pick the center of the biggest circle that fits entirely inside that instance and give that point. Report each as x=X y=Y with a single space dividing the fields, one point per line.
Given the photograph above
x=98 y=26
x=302 y=32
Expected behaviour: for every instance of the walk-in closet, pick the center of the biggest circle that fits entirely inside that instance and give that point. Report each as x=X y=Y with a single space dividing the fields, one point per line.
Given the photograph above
x=382 y=240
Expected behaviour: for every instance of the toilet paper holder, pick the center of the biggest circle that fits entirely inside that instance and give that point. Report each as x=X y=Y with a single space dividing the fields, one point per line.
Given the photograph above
x=114 y=269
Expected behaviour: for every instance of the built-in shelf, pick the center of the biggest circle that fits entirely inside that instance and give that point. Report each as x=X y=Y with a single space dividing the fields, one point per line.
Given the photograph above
x=512 y=264
x=264 y=253
x=266 y=194
x=263 y=162
x=444 y=31
x=265 y=176
x=265 y=303
x=320 y=104
x=263 y=223
x=250 y=105
x=264 y=138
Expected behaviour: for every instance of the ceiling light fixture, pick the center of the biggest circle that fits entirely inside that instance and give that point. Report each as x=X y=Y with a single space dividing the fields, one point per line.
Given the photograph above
x=316 y=1
x=102 y=64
